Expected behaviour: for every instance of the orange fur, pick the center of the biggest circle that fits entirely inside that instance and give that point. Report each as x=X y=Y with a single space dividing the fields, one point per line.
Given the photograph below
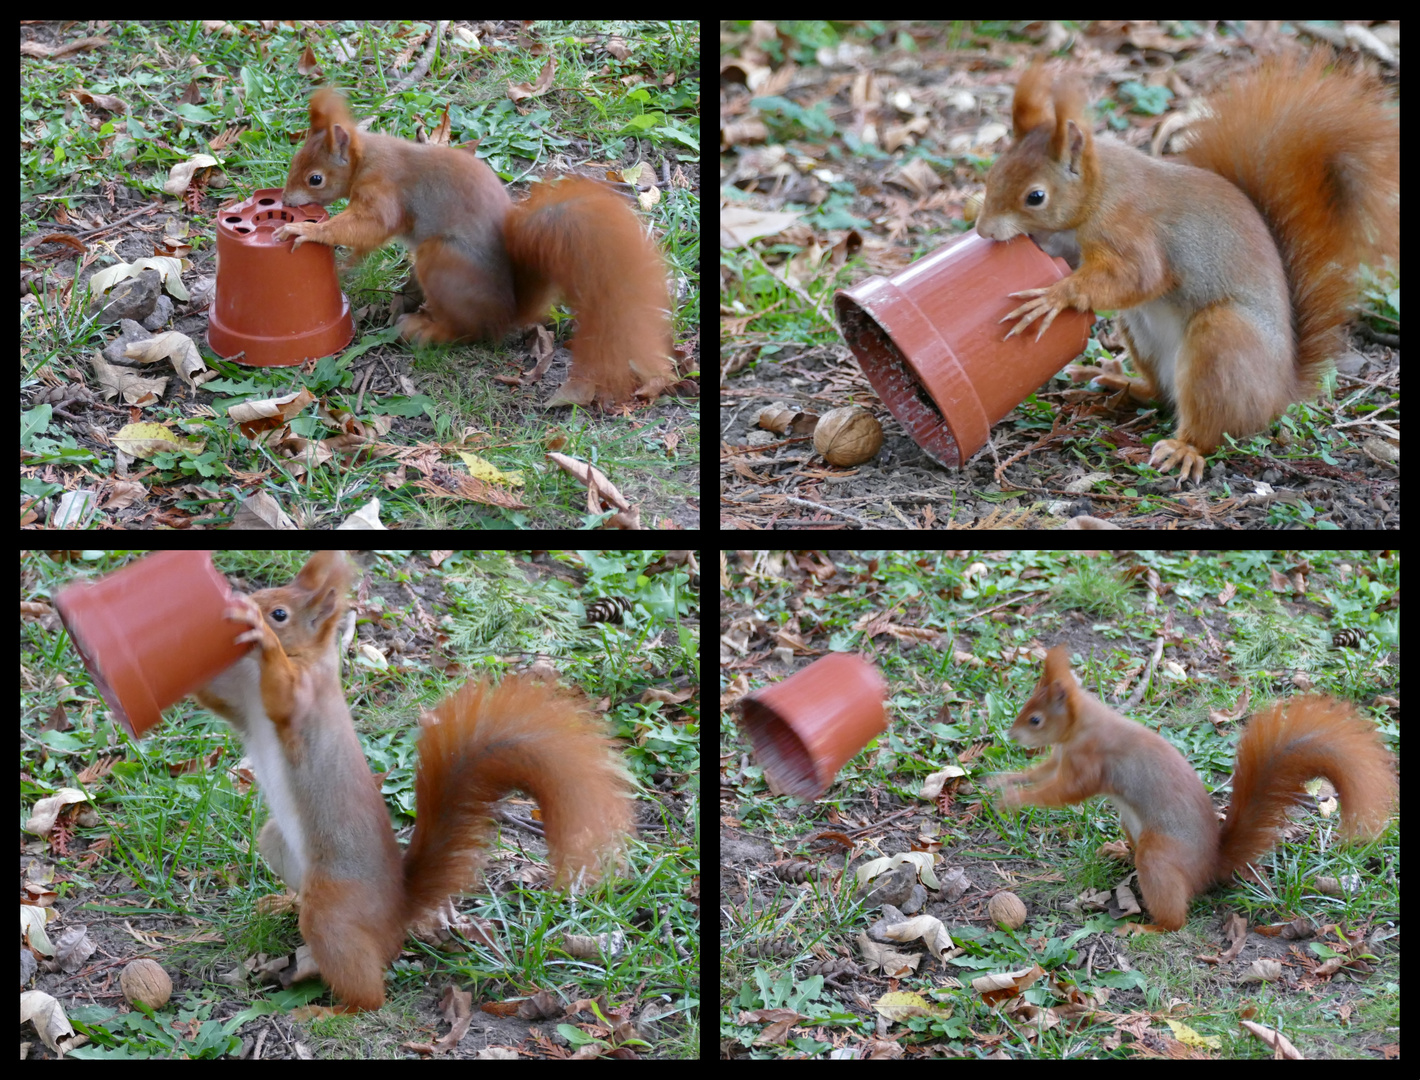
x=329 y=833
x=1179 y=850
x=1233 y=272
x=581 y=239
x=486 y=266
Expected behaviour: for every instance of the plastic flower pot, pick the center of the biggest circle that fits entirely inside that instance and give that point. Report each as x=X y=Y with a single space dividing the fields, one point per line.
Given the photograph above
x=274 y=307
x=152 y=632
x=804 y=728
x=931 y=342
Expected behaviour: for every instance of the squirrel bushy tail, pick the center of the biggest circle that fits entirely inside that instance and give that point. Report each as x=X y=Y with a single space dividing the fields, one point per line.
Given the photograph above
x=485 y=741
x=1283 y=747
x=581 y=240
x=1319 y=157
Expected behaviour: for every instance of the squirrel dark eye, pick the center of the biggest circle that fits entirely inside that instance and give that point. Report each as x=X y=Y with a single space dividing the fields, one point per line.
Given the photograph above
x=1035 y=197
x=315 y=180
x=279 y=615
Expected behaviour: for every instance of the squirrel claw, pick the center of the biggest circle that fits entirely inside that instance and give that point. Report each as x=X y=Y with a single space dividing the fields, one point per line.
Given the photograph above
x=1039 y=305
x=1108 y=375
x=294 y=231
x=1175 y=452
x=244 y=610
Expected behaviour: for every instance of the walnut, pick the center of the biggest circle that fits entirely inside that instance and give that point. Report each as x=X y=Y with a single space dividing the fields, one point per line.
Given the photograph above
x=144 y=982
x=848 y=436
x=1007 y=911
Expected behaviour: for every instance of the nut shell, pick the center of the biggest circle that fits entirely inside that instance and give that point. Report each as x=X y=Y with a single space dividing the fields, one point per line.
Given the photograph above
x=145 y=982
x=848 y=436
x=1007 y=911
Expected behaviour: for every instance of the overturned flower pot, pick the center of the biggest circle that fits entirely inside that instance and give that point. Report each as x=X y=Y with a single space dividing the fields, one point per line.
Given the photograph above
x=274 y=307
x=931 y=341
x=152 y=632
x=804 y=728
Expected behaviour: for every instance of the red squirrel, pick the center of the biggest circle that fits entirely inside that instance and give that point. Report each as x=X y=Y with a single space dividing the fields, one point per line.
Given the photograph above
x=1232 y=273
x=1179 y=849
x=486 y=265
x=329 y=835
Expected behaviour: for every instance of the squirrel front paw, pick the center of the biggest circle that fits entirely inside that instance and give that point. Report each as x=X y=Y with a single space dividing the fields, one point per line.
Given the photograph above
x=1049 y=302
x=1008 y=787
x=245 y=611
x=1108 y=375
x=298 y=231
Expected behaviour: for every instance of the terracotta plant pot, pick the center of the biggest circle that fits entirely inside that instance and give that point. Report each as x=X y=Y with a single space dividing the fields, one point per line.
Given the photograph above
x=804 y=728
x=152 y=632
x=931 y=342
x=274 y=307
